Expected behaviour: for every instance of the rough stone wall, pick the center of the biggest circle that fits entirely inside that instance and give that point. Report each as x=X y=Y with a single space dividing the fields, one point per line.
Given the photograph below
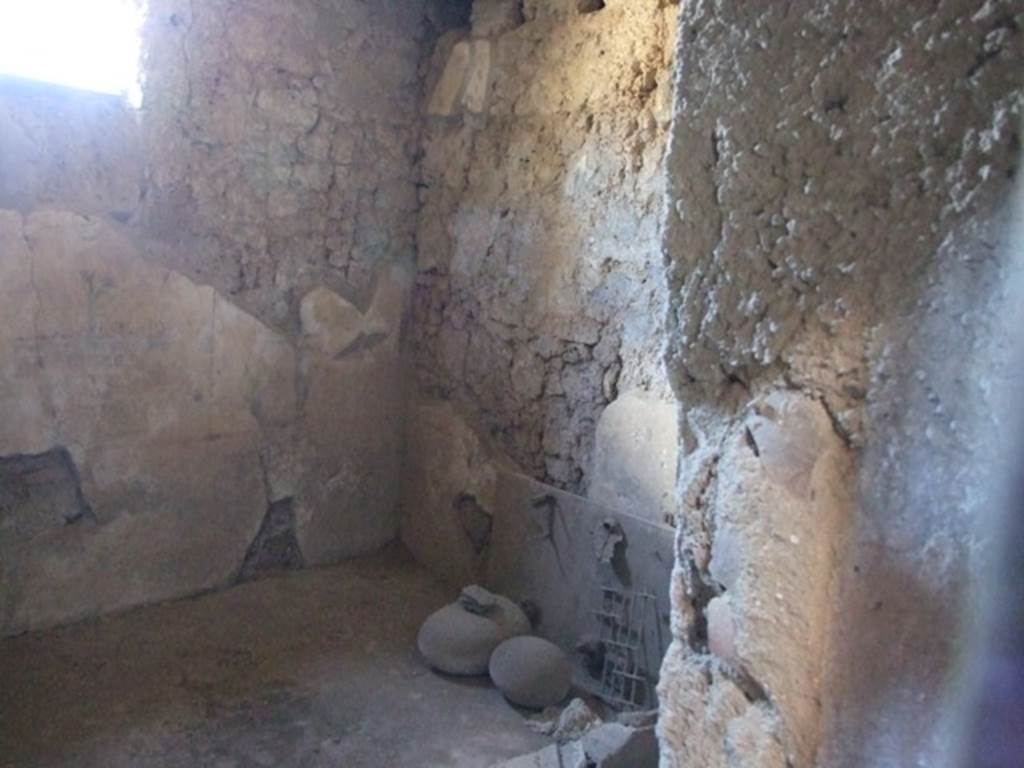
x=283 y=139
x=202 y=305
x=838 y=180
x=540 y=294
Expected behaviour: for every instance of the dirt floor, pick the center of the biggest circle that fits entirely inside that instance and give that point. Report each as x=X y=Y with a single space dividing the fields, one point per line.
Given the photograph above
x=310 y=668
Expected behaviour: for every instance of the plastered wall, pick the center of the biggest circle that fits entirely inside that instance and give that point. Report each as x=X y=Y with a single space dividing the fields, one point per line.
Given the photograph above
x=202 y=304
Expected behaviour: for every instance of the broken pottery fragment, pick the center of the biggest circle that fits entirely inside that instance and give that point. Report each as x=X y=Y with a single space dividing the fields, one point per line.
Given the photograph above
x=476 y=599
x=510 y=618
x=531 y=672
x=460 y=638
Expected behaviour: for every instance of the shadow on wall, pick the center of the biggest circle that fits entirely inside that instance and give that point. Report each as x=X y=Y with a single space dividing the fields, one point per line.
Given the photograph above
x=939 y=450
x=993 y=721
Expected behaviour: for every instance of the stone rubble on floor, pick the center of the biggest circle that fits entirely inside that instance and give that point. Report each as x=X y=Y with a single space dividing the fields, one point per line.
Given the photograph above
x=565 y=725
x=611 y=745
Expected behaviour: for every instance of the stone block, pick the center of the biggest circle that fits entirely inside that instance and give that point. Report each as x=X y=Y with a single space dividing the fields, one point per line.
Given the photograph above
x=444 y=101
x=779 y=512
x=721 y=629
x=329 y=322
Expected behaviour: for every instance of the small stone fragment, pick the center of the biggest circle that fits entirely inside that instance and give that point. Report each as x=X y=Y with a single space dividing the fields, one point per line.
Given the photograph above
x=531 y=672
x=575 y=720
x=643 y=719
x=567 y=724
x=546 y=722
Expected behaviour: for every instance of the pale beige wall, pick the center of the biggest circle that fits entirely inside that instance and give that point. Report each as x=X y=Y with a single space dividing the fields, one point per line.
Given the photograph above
x=203 y=299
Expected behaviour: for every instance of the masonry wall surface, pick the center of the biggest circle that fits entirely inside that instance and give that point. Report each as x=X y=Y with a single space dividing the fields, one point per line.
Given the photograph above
x=840 y=320
x=202 y=302
x=539 y=292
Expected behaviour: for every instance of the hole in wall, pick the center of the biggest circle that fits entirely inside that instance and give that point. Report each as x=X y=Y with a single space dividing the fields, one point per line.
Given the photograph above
x=276 y=546
x=40 y=492
x=475 y=521
x=449 y=14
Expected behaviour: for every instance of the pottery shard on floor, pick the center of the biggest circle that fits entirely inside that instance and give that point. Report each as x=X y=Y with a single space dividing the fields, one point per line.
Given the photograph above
x=460 y=638
x=531 y=672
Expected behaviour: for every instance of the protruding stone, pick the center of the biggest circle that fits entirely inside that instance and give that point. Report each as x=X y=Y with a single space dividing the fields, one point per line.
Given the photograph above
x=478 y=78
x=721 y=629
x=445 y=98
x=329 y=322
x=531 y=672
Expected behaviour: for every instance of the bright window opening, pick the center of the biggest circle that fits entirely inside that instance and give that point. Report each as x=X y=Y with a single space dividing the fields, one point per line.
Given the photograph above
x=92 y=45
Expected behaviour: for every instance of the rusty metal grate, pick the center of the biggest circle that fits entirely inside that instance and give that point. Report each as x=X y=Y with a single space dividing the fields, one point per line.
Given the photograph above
x=621 y=617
